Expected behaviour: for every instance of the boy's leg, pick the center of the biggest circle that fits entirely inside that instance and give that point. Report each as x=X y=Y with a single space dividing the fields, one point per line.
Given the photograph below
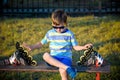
x=49 y=59
x=63 y=74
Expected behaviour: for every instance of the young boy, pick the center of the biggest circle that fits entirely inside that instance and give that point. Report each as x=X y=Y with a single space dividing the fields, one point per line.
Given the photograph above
x=61 y=41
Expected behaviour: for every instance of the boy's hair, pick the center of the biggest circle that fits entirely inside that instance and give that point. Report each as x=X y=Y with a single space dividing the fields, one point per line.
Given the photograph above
x=58 y=17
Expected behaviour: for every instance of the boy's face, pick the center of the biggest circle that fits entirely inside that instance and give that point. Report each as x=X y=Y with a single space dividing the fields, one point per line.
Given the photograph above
x=59 y=28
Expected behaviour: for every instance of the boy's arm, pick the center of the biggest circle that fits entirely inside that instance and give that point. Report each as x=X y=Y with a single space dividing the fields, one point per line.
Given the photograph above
x=82 y=47
x=32 y=47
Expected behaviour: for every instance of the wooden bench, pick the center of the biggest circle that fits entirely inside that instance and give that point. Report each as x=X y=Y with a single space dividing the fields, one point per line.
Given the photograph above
x=105 y=68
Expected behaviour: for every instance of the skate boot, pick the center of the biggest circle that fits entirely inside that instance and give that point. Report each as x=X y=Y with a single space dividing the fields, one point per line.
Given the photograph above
x=21 y=57
x=24 y=55
x=90 y=57
x=98 y=59
x=29 y=60
x=84 y=58
x=87 y=58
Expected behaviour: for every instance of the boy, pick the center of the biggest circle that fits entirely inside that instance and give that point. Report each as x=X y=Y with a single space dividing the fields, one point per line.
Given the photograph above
x=61 y=41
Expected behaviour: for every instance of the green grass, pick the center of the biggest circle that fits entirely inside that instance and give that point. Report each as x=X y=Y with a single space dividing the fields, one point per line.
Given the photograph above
x=102 y=32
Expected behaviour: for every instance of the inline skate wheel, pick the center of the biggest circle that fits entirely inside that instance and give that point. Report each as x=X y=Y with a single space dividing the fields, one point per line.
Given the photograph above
x=17 y=45
x=82 y=58
x=33 y=63
x=29 y=58
x=78 y=63
x=86 y=52
x=25 y=53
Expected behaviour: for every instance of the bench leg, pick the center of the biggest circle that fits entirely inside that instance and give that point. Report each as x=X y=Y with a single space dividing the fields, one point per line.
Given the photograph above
x=97 y=76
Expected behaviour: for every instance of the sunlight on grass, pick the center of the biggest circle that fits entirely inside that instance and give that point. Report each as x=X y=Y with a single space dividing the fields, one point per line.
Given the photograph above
x=102 y=32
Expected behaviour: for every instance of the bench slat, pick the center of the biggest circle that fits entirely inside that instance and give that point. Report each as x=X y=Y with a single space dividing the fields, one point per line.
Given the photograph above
x=42 y=67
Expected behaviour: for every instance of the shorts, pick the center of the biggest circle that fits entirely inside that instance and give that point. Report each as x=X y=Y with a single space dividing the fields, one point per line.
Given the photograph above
x=65 y=60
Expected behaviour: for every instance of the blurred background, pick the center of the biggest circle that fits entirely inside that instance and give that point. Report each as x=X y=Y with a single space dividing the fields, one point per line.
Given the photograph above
x=95 y=21
x=36 y=7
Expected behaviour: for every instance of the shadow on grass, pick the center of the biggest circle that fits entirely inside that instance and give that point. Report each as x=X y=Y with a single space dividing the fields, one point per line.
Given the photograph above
x=38 y=57
x=114 y=40
x=114 y=59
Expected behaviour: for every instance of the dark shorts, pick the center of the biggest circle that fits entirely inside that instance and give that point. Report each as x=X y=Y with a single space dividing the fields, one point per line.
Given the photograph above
x=65 y=60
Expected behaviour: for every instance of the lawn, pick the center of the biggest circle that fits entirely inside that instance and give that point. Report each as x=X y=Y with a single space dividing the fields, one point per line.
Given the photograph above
x=103 y=32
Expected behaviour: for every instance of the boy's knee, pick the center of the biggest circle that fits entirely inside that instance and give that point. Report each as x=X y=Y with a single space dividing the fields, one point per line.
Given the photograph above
x=46 y=55
x=62 y=71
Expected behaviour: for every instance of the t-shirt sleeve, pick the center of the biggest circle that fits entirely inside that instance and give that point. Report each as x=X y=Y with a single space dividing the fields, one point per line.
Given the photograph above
x=45 y=39
x=73 y=40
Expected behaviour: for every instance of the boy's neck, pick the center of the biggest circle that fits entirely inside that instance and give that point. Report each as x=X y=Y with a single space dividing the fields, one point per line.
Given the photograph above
x=62 y=31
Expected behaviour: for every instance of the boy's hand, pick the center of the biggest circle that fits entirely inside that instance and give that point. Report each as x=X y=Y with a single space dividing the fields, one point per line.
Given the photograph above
x=88 y=46
x=26 y=46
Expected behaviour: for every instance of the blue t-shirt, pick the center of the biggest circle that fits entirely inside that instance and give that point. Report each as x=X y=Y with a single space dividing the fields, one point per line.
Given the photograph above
x=60 y=43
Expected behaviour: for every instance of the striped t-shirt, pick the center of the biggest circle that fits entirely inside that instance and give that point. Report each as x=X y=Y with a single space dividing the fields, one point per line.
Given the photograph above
x=60 y=43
